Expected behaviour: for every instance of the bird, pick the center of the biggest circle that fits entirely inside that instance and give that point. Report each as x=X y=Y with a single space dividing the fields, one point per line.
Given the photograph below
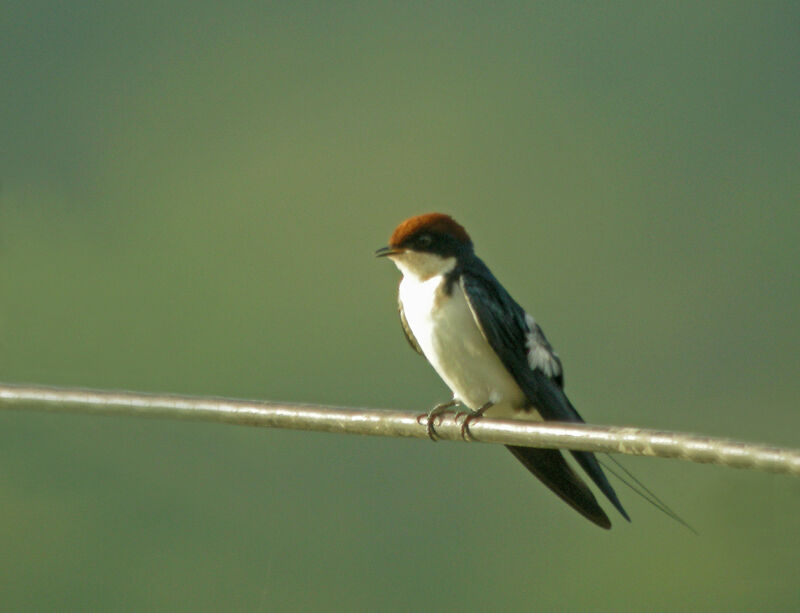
x=488 y=350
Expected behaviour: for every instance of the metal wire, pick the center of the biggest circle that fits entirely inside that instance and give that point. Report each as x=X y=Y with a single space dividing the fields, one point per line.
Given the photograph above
x=379 y=422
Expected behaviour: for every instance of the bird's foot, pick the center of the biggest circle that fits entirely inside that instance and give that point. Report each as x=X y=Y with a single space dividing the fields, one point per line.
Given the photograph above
x=430 y=418
x=469 y=417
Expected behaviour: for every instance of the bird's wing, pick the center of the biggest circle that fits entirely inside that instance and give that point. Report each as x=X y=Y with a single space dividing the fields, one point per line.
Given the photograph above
x=541 y=354
x=519 y=343
x=524 y=351
x=407 y=329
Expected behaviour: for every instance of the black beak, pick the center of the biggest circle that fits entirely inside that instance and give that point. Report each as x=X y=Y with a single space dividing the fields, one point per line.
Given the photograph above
x=384 y=251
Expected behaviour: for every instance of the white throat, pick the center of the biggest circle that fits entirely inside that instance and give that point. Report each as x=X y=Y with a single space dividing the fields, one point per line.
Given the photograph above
x=422 y=266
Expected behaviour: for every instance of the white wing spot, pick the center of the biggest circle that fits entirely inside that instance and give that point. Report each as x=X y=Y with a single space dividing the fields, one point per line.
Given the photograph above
x=540 y=353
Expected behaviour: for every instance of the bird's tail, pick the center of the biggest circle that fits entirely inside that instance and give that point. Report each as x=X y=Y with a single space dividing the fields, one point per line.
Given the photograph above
x=589 y=463
x=552 y=404
x=552 y=469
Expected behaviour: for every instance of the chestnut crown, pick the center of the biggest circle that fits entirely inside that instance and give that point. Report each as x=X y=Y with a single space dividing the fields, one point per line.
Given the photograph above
x=431 y=233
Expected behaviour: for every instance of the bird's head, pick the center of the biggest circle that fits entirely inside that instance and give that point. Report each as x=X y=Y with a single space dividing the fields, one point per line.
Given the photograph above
x=427 y=245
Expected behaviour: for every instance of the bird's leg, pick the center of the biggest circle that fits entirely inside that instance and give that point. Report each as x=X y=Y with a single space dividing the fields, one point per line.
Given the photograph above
x=470 y=417
x=431 y=416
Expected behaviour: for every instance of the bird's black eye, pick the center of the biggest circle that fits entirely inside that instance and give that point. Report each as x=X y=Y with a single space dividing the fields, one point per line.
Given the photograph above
x=424 y=240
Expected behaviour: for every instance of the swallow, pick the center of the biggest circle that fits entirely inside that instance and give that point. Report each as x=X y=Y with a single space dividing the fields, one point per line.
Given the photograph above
x=487 y=349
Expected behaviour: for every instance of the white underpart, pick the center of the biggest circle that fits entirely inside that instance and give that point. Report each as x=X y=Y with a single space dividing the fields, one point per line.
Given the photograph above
x=448 y=335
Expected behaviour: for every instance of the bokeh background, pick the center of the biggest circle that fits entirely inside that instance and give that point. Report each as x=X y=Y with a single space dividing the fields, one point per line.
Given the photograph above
x=190 y=196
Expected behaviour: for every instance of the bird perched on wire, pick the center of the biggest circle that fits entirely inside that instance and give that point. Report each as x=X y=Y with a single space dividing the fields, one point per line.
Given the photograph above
x=492 y=355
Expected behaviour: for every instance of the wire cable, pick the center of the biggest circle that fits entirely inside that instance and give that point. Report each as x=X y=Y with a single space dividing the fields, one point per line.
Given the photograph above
x=380 y=422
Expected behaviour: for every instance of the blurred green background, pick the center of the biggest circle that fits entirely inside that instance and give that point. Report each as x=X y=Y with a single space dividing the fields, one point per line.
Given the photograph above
x=190 y=198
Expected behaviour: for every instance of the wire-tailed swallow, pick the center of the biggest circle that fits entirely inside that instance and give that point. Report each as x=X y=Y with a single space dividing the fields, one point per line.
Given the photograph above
x=492 y=355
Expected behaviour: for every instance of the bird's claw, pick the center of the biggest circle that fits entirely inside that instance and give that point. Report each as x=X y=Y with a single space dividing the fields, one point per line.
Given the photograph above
x=469 y=417
x=465 y=433
x=460 y=414
x=427 y=420
x=430 y=418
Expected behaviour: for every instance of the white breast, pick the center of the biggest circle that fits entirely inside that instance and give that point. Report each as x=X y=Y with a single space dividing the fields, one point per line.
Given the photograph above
x=448 y=335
